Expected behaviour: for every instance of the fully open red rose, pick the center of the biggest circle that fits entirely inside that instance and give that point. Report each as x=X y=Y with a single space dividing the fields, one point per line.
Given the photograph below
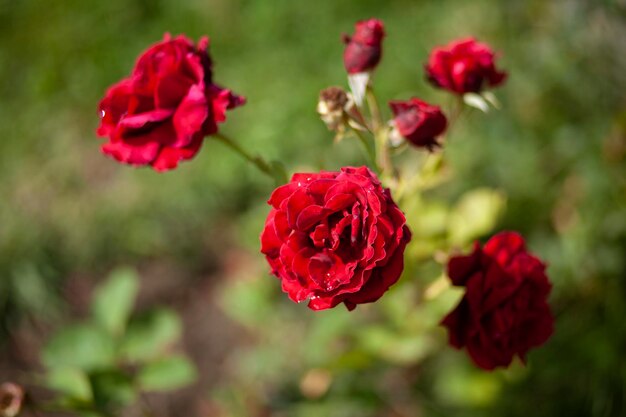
x=161 y=113
x=418 y=122
x=364 y=48
x=463 y=66
x=504 y=311
x=335 y=237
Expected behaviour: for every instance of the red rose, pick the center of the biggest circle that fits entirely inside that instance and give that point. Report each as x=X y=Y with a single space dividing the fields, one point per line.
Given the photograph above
x=504 y=311
x=364 y=48
x=418 y=122
x=463 y=66
x=335 y=237
x=162 y=112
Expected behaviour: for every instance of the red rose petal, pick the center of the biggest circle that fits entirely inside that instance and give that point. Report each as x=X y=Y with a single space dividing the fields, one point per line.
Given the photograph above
x=504 y=311
x=349 y=250
x=190 y=116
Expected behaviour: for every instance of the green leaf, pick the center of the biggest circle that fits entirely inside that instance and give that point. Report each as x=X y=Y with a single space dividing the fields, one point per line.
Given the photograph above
x=395 y=347
x=85 y=347
x=150 y=335
x=114 y=300
x=71 y=382
x=112 y=389
x=465 y=387
x=167 y=374
x=475 y=215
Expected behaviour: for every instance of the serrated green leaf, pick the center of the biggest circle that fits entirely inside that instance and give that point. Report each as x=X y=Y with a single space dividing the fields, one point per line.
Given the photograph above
x=167 y=374
x=150 y=335
x=85 y=347
x=475 y=215
x=114 y=300
x=71 y=382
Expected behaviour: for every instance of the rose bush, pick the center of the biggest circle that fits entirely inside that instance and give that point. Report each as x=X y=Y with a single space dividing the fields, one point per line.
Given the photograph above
x=334 y=237
x=418 y=122
x=504 y=311
x=463 y=66
x=161 y=113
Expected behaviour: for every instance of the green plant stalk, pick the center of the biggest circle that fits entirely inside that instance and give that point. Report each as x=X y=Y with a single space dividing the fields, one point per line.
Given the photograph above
x=380 y=135
x=367 y=146
x=257 y=161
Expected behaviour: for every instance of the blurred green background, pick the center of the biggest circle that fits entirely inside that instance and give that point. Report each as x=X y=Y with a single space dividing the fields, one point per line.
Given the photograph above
x=69 y=215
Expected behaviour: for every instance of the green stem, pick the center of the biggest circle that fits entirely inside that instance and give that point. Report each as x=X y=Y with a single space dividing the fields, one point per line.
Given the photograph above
x=380 y=134
x=369 y=149
x=382 y=151
x=455 y=114
x=257 y=161
x=374 y=108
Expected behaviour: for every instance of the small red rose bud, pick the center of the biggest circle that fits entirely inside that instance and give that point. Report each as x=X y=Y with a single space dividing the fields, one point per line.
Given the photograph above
x=11 y=397
x=364 y=48
x=463 y=66
x=504 y=311
x=418 y=122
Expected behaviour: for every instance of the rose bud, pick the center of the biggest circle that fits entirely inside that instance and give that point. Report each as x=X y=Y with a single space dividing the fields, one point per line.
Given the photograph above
x=418 y=122
x=11 y=398
x=463 y=66
x=335 y=237
x=332 y=106
x=504 y=311
x=161 y=113
x=364 y=48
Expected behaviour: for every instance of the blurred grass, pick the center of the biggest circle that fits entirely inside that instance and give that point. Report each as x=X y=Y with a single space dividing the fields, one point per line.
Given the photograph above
x=558 y=150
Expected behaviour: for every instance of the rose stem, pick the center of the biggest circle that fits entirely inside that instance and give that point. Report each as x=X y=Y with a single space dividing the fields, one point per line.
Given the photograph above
x=380 y=136
x=369 y=150
x=258 y=161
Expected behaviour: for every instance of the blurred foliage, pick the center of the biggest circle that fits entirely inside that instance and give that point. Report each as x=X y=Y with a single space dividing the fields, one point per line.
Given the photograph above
x=557 y=150
x=103 y=364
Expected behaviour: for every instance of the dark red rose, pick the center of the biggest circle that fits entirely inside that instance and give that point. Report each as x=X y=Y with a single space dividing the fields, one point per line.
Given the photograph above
x=463 y=66
x=162 y=112
x=335 y=237
x=504 y=311
x=418 y=122
x=364 y=48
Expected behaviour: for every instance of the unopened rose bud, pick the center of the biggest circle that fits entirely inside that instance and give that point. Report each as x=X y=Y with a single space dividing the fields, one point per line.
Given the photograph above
x=364 y=48
x=11 y=397
x=332 y=106
x=418 y=122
